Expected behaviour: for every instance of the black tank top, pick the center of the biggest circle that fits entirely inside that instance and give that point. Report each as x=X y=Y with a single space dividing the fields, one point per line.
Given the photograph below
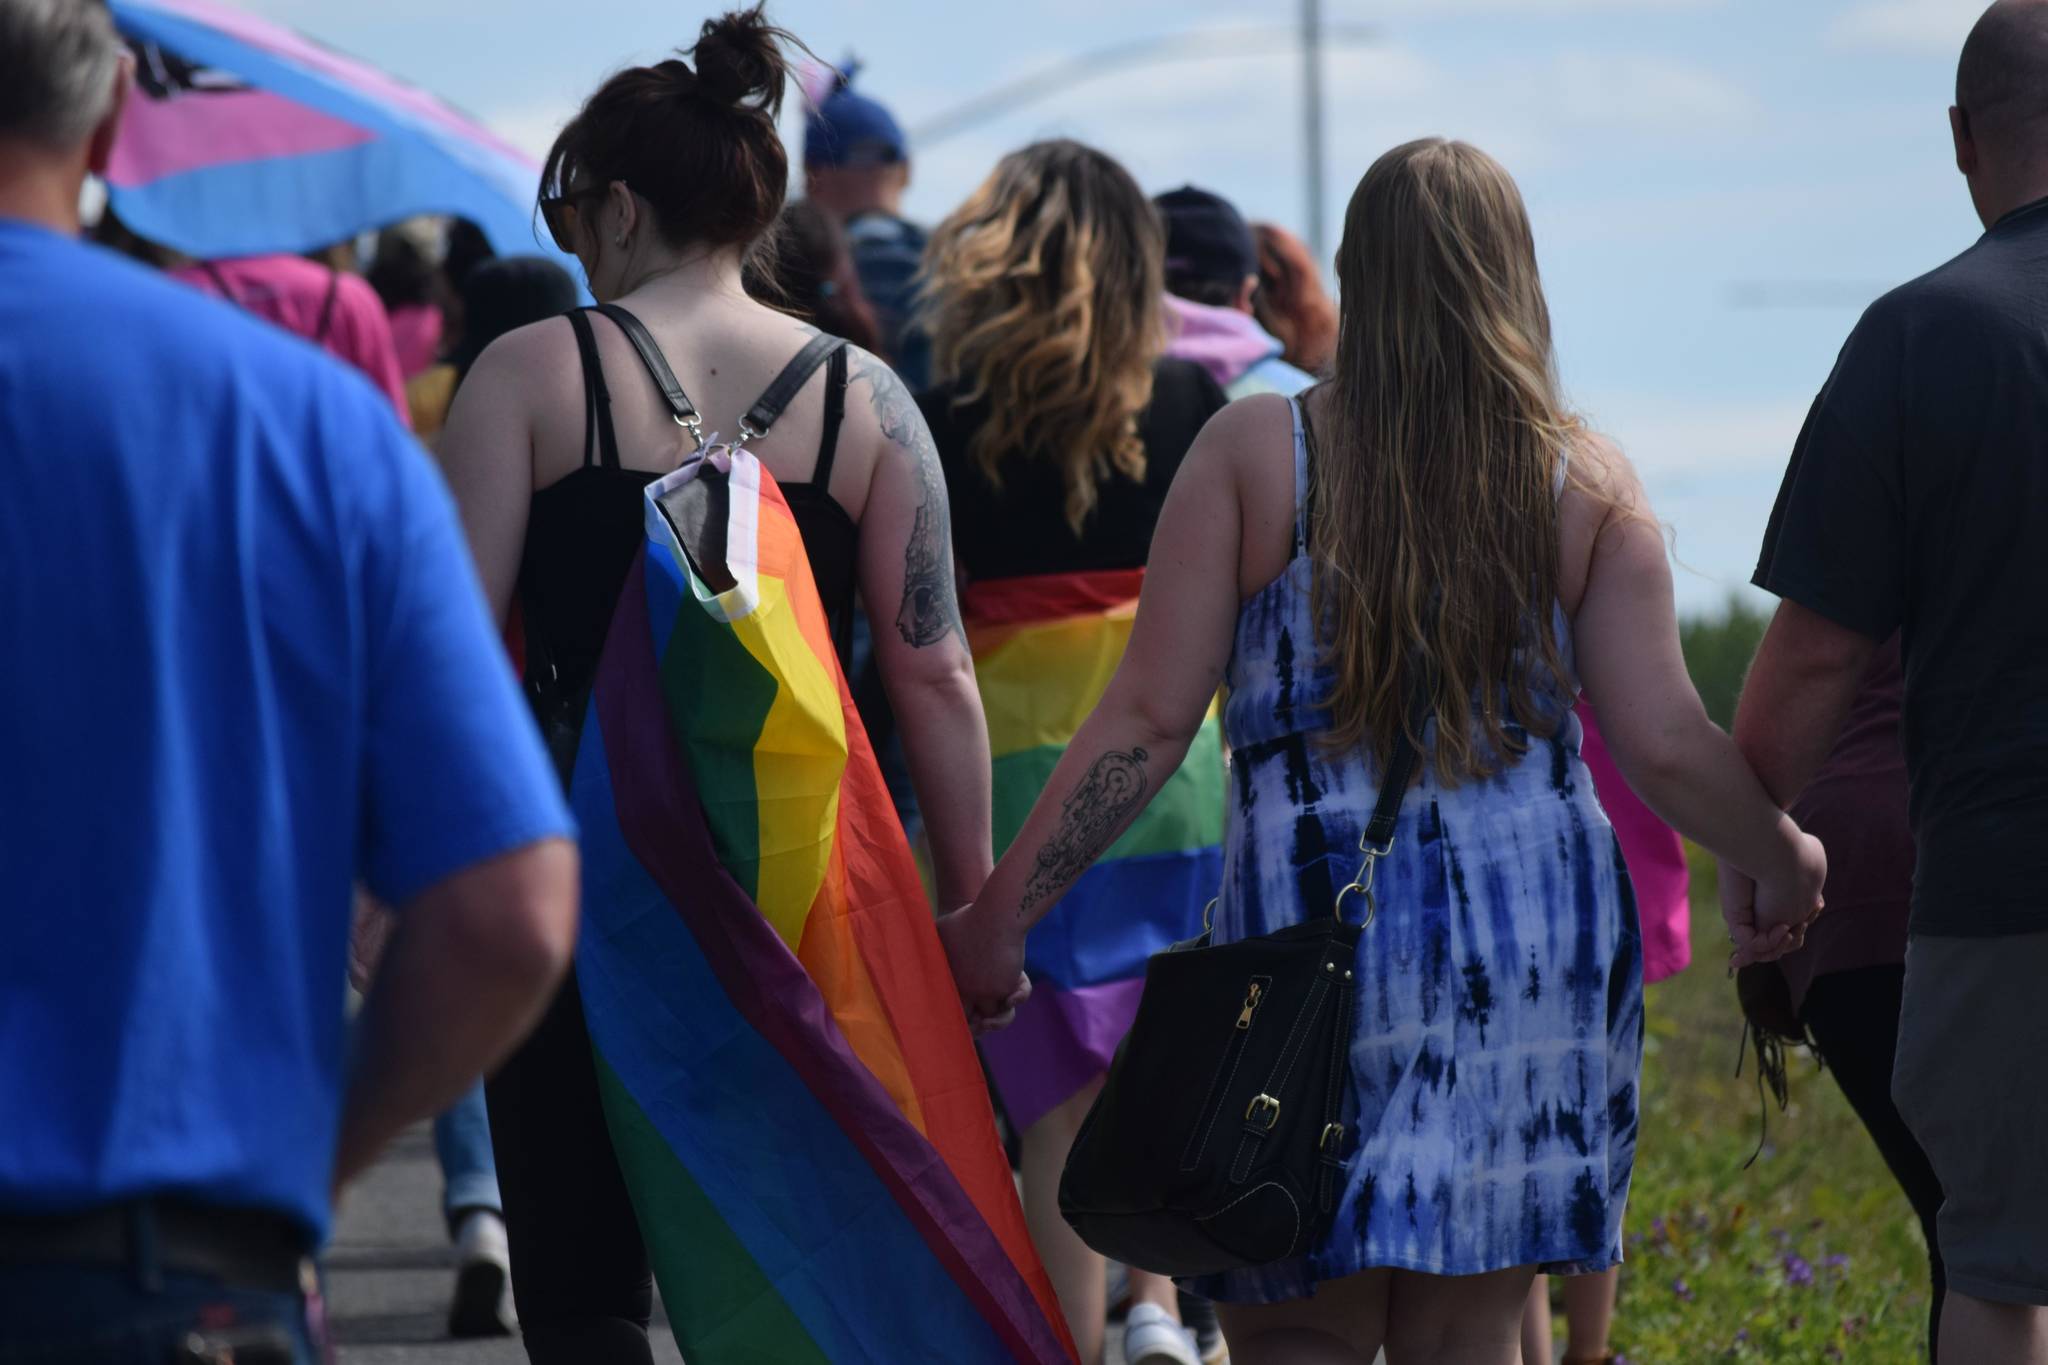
x=583 y=530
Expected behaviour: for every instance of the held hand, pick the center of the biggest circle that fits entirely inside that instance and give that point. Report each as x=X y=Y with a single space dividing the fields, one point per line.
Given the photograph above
x=987 y=955
x=1768 y=918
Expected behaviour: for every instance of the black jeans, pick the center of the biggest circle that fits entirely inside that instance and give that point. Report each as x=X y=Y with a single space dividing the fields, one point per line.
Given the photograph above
x=580 y=1275
x=1854 y=1019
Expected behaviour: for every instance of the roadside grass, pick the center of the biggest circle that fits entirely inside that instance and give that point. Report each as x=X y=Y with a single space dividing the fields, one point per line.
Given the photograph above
x=1809 y=1255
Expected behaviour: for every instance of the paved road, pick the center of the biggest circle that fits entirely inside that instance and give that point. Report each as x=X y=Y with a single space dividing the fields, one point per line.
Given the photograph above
x=390 y=1272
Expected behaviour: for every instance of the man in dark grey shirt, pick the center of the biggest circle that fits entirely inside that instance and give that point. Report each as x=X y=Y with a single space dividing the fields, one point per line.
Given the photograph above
x=1917 y=500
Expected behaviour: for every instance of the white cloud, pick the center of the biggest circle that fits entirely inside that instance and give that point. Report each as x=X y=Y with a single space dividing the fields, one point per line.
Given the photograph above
x=1675 y=440
x=1712 y=471
x=1912 y=26
x=1638 y=91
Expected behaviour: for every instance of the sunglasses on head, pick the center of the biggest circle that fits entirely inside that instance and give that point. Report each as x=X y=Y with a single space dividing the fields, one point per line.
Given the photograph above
x=557 y=212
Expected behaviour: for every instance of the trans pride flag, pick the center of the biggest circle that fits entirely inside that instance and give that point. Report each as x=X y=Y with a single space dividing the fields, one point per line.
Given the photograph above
x=786 y=1070
x=1045 y=647
x=242 y=138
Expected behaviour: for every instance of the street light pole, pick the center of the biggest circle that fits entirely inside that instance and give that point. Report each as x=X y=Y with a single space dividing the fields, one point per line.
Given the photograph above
x=1312 y=124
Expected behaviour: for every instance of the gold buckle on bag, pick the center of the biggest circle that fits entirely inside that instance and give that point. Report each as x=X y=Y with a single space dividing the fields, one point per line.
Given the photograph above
x=1263 y=1105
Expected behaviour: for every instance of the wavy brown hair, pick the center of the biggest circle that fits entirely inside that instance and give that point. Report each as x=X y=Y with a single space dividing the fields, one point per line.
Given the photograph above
x=1435 y=533
x=1042 y=299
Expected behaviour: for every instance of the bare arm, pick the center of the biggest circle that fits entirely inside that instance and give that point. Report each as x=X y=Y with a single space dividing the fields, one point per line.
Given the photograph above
x=906 y=579
x=468 y=971
x=1138 y=733
x=1625 y=637
x=1798 y=692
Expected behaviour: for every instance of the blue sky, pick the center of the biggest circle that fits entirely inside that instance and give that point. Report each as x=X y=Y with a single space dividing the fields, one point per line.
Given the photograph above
x=1717 y=186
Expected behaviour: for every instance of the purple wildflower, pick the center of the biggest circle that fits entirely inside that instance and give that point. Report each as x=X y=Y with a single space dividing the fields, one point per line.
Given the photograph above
x=1682 y=1289
x=1797 y=1271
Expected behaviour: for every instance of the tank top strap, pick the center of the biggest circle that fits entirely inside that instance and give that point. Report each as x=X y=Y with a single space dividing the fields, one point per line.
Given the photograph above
x=835 y=415
x=600 y=440
x=1301 y=488
x=1564 y=465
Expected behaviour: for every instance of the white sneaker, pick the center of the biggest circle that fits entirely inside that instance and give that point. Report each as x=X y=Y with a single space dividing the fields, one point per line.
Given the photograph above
x=1151 y=1337
x=482 y=1306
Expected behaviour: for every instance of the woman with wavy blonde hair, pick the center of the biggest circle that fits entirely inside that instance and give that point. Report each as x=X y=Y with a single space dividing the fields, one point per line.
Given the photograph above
x=1060 y=427
x=1430 y=525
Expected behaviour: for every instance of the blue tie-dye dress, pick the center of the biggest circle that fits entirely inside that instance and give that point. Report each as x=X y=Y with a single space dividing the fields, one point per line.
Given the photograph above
x=1499 y=1021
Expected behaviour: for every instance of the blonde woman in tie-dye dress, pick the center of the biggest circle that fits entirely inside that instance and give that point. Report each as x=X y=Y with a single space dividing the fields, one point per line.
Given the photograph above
x=1432 y=511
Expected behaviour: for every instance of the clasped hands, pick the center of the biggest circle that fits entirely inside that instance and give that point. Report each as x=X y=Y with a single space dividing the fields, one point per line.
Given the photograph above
x=985 y=944
x=1768 y=917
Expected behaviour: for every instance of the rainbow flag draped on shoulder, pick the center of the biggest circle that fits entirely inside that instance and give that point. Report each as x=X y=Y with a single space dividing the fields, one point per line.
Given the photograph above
x=1045 y=647
x=786 y=1070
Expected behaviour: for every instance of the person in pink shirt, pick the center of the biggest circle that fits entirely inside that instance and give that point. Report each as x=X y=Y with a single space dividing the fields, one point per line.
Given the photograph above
x=333 y=309
x=1655 y=856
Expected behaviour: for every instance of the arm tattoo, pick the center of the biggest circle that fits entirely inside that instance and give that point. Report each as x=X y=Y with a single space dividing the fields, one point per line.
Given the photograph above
x=929 y=611
x=1110 y=793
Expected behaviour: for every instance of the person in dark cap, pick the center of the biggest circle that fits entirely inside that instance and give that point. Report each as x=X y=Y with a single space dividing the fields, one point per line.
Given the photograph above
x=1212 y=277
x=856 y=168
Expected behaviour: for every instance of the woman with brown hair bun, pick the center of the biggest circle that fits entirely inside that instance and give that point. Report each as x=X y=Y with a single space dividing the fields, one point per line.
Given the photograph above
x=662 y=186
x=1421 y=557
x=1060 y=426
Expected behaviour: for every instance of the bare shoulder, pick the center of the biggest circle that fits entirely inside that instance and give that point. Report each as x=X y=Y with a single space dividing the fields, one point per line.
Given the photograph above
x=1243 y=441
x=885 y=399
x=1248 y=429
x=533 y=352
x=1601 y=483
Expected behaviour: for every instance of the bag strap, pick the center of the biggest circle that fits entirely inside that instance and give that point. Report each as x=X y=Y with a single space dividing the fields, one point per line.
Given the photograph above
x=220 y=282
x=326 y=323
x=769 y=406
x=786 y=385
x=1379 y=831
x=679 y=405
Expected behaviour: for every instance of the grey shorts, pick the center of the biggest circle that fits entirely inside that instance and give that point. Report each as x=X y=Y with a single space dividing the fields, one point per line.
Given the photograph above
x=1972 y=1083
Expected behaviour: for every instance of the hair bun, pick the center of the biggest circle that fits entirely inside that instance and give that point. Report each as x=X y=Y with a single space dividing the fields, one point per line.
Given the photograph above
x=740 y=62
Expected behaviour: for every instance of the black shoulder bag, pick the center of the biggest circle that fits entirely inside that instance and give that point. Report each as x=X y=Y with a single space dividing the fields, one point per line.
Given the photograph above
x=1218 y=1141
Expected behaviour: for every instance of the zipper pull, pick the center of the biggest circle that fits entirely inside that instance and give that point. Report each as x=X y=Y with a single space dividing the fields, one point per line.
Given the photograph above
x=1253 y=994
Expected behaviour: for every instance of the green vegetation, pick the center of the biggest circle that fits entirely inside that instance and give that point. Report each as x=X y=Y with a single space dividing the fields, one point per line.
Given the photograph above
x=1717 y=653
x=1810 y=1255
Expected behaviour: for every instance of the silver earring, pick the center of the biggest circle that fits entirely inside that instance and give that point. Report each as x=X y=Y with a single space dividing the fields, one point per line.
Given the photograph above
x=620 y=241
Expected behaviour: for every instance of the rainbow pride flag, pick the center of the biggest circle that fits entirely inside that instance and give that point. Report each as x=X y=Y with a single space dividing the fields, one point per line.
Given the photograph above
x=1045 y=647
x=787 y=1073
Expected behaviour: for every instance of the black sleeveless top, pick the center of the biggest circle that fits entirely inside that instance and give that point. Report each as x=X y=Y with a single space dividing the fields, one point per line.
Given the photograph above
x=583 y=530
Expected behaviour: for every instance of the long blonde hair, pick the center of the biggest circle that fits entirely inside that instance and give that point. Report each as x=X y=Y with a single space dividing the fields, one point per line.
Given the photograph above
x=1042 y=299
x=1435 y=529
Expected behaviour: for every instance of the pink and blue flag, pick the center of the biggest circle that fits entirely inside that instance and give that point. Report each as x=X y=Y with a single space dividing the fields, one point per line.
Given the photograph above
x=243 y=137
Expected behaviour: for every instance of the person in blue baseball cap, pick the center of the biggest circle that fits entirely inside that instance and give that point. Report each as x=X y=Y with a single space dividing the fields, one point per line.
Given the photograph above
x=856 y=168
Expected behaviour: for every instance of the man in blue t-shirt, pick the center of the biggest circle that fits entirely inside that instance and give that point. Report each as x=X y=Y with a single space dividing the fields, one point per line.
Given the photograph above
x=247 y=666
